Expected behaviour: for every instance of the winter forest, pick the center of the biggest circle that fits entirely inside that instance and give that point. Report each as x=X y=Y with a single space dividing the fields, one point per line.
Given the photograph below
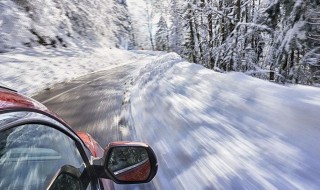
x=276 y=40
x=64 y=24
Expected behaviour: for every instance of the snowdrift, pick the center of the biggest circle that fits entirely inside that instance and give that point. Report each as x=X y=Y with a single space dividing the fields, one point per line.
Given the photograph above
x=226 y=131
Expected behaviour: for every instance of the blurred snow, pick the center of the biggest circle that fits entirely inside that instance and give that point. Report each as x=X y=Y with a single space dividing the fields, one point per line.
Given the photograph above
x=226 y=131
x=30 y=71
x=209 y=130
x=63 y=23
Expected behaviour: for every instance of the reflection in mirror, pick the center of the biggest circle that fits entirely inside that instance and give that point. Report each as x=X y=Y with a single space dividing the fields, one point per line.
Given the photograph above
x=66 y=181
x=129 y=163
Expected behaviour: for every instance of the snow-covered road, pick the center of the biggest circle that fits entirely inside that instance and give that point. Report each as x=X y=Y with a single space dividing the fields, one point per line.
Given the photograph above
x=30 y=71
x=209 y=130
x=93 y=103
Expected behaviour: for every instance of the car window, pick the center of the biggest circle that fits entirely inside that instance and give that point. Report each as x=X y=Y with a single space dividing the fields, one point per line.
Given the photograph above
x=30 y=156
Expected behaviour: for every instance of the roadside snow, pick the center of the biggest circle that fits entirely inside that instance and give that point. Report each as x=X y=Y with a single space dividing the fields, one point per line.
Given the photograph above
x=226 y=131
x=209 y=130
x=30 y=71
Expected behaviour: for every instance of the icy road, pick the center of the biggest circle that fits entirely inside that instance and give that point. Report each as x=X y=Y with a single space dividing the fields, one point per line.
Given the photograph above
x=209 y=130
x=93 y=103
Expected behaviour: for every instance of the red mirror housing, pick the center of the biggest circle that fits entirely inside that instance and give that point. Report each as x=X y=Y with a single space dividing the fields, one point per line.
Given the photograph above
x=127 y=163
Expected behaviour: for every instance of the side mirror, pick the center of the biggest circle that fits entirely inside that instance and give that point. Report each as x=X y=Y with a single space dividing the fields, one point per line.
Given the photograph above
x=127 y=163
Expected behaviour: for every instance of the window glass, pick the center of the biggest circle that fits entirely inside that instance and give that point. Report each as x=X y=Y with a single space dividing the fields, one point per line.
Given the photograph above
x=30 y=156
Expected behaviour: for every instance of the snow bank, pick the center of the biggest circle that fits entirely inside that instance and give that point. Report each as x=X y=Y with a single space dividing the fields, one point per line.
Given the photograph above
x=226 y=131
x=36 y=69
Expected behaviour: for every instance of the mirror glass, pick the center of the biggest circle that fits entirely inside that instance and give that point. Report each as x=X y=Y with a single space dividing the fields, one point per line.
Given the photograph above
x=66 y=181
x=129 y=163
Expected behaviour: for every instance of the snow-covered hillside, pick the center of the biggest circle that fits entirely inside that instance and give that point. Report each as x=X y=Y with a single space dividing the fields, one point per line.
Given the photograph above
x=31 y=71
x=226 y=131
x=64 y=23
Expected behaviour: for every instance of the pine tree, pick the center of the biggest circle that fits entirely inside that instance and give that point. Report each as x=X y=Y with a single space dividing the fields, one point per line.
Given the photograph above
x=162 y=36
x=123 y=30
x=176 y=34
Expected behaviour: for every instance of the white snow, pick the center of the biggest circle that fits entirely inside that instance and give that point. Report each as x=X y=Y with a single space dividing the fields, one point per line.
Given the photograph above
x=226 y=131
x=209 y=130
x=63 y=23
x=33 y=70
x=137 y=10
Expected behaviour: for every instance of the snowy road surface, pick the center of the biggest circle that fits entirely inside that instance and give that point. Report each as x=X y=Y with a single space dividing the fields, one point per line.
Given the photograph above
x=93 y=103
x=30 y=71
x=209 y=130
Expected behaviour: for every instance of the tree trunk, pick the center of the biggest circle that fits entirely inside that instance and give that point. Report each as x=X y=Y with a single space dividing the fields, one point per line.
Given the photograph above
x=196 y=27
x=222 y=24
x=192 y=41
x=210 y=25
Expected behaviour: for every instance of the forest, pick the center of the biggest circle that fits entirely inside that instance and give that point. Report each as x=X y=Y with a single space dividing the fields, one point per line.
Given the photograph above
x=276 y=40
x=64 y=24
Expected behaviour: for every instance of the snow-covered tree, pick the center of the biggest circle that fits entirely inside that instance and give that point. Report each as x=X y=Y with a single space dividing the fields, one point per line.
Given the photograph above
x=123 y=30
x=63 y=23
x=162 y=35
x=272 y=39
x=150 y=16
x=177 y=32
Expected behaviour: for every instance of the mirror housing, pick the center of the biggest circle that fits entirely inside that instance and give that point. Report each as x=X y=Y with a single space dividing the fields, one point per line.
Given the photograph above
x=127 y=163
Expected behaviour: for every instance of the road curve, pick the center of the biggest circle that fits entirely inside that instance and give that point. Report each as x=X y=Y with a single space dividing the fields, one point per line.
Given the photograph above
x=92 y=103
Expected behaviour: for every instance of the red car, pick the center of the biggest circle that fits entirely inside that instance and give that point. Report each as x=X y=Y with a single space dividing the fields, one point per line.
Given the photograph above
x=38 y=150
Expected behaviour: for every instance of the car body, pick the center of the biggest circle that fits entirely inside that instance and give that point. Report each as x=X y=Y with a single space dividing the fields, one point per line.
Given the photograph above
x=39 y=150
